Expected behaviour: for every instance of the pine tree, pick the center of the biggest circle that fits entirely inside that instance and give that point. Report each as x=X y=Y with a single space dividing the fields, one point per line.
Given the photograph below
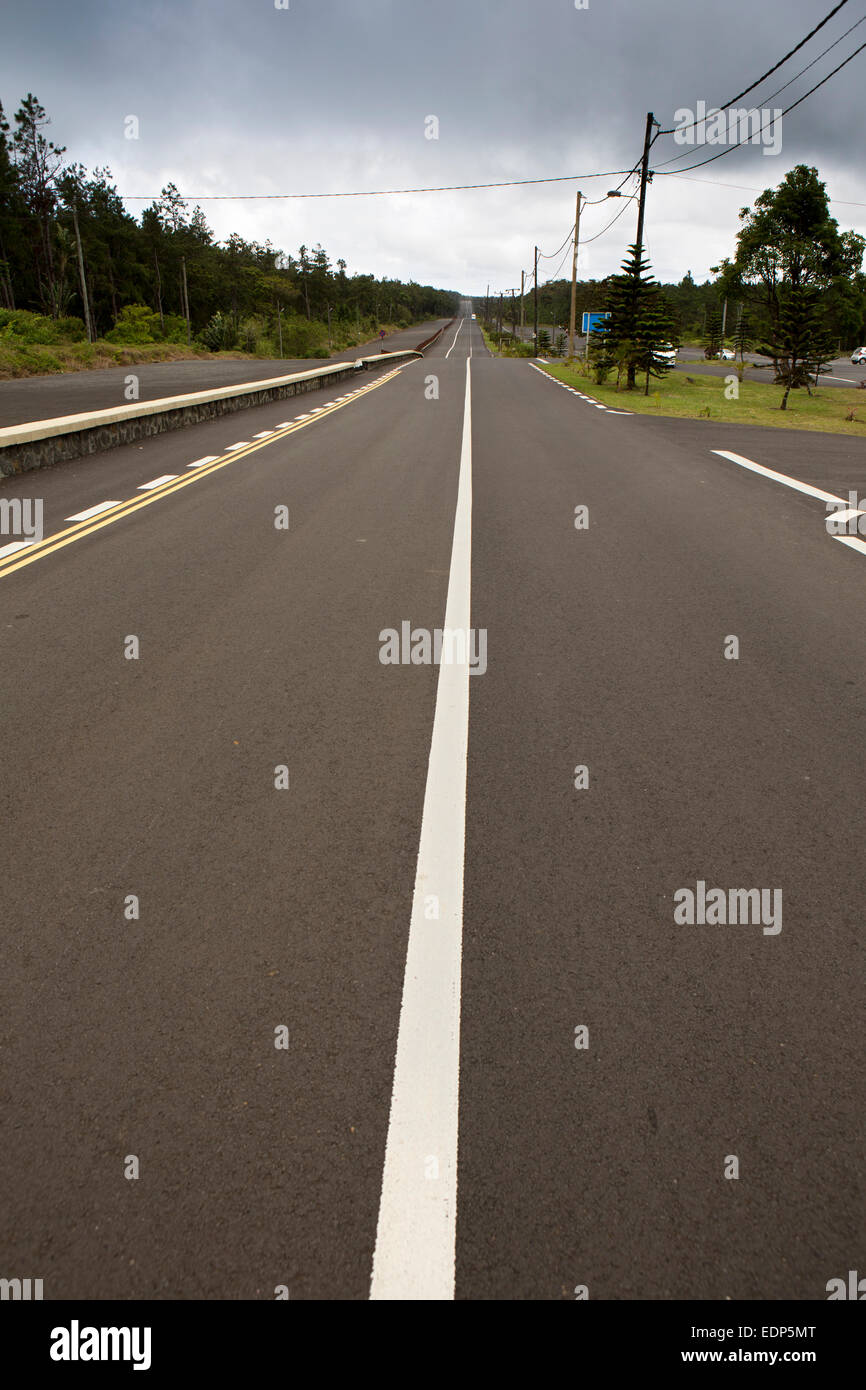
x=802 y=344
x=638 y=323
x=712 y=332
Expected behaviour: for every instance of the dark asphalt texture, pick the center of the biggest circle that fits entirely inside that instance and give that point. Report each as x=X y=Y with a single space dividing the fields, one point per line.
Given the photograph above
x=260 y=908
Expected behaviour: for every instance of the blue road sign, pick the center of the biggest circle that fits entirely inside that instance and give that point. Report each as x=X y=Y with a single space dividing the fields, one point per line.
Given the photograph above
x=593 y=320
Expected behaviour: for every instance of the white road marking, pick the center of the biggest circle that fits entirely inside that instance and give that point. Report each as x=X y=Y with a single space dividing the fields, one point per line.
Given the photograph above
x=16 y=545
x=456 y=336
x=265 y=434
x=200 y=463
x=847 y=515
x=92 y=511
x=780 y=477
x=854 y=543
x=241 y=444
x=157 y=482
x=415 y=1240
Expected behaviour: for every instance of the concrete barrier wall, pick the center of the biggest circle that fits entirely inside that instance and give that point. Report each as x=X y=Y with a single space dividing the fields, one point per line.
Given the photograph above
x=41 y=442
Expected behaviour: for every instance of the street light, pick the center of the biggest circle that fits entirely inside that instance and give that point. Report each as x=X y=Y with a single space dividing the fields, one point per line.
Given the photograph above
x=572 y=322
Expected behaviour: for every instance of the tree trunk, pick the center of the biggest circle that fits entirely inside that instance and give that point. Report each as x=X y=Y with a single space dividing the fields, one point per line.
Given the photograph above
x=159 y=292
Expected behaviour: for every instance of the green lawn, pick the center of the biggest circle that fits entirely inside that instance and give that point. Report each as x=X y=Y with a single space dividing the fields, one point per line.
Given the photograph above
x=699 y=396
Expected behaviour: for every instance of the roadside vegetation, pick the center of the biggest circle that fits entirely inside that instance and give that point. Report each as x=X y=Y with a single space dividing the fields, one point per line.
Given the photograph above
x=84 y=284
x=700 y=396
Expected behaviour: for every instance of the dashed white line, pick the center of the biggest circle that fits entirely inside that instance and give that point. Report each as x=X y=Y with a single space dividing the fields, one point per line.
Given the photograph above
x=854 y=543
x=15 y=546
x=157 y=482
x=200 y=463
x=265 y=434
x=92 y=511
x=241 y=444
x=415 y=1239
x=779 y=477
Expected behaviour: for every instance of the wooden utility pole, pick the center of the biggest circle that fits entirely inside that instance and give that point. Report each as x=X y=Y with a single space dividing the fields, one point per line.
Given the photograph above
x=644 y=179
x=522 y=306
x=573 y=315
x=88 y=322
x=536 y=301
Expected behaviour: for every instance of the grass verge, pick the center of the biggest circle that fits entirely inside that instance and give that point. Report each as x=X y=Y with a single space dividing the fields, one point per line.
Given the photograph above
x=698 y=396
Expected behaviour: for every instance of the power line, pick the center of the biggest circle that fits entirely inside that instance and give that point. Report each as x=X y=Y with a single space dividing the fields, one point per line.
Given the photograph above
x=773 y=69
x=766 y=100
x=745 y=188
x=671 y=173
x=376 y=192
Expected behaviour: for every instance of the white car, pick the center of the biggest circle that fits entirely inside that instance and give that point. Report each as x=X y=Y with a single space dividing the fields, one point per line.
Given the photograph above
x=727 y=355
x=859 y=357
x=667 y=352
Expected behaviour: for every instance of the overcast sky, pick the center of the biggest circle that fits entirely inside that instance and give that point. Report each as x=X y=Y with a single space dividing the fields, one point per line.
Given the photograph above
x=237 y=96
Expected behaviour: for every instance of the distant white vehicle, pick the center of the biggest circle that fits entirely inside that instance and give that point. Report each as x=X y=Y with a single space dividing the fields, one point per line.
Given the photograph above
x=727 y=355
x=859 y=357
x=473 y=316
x=667 y=352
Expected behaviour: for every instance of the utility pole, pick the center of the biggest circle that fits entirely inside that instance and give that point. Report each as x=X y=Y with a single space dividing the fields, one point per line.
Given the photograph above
x=513 y=316
x=522 y=305
x=644 y=177
x=186 y=302
x=573 y=315
x=87 y=320
x=500 y=320
x=487 y=306
x=536 y=301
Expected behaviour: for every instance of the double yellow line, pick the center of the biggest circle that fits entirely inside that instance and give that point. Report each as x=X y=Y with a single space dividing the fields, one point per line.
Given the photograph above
x=107 y=518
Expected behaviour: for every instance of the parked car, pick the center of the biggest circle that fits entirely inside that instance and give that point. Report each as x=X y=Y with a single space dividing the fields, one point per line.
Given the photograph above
x=859 y=357
x=668 y=352
x=727 y=355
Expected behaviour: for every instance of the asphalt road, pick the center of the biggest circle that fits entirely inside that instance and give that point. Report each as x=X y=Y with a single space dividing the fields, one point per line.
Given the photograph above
x=261 y=908
x=70 y=393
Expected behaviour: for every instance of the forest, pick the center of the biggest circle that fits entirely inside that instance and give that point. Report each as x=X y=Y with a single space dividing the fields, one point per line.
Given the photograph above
x=75 y=265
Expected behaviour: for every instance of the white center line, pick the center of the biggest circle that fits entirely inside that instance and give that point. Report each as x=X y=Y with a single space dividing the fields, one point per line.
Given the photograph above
x=456 y=336
x=92 y=511
x=157 y=482
x=415 y=1240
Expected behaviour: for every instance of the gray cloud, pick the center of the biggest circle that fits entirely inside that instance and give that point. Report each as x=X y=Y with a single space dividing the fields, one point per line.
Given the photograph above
x=332 y=94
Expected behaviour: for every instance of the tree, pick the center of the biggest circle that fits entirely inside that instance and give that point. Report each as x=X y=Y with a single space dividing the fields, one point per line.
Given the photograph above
x=802 y=343
x=38 y=163
x=790 y=241
x=712 y=331
x=636 y=311
x=654 y=330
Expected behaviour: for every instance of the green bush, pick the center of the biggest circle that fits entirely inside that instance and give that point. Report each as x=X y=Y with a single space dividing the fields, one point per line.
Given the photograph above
x=19 y=325
x=138 y=324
